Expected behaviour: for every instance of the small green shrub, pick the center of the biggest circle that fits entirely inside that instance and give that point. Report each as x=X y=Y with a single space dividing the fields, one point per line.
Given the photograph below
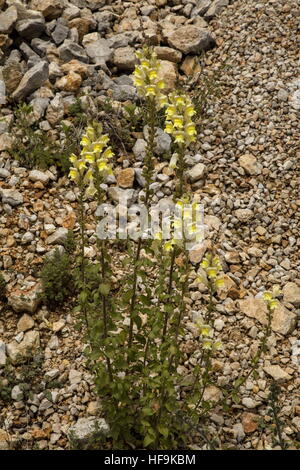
x=57 y=279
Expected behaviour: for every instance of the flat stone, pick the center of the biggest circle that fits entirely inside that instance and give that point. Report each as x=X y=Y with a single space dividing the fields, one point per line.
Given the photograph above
x=291 y=293
x=8 y=19
x=18 y=352
x=196 y=173
x=36 y=175
x=25 y=323
x=25 y=300
x=167 y=53
x=12 y=197
x=30 y=28
x=249 y=164
x=283 y=320
x=278 y=374
x=97 y=48
x=244 y=214
x=69 y=50
x=250 y=422
x=33 y=79
x=191 y=39
x=85 y=428
x=125 y=178
x=58 y=237
x=124 y=58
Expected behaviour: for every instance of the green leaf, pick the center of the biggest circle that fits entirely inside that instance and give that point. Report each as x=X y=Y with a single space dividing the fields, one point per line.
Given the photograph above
x=148 y=440
x=104 y=289
x=163 y=430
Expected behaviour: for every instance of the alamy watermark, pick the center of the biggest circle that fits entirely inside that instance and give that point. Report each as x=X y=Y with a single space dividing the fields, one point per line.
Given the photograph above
x=165 y=220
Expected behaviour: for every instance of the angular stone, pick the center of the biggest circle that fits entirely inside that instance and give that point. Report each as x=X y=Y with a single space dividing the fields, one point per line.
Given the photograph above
x=55 y=111
x=278 y=374
x=60 y=33
x=283 y=320
x=8 y=19
x=291 y=293
x=75 y=66
x=18 y=352
x=58 y=237
x=70 y=82
x=168 y=73
x=212 y=393
x=30 y=28
x=51 y=9
x=12 y=197
x=191 y=39
x=124 y=92
x=250 y=422
x=197 y=254
x=97 y=48
x=124 y=58
x=122 y=196
x=249 y=164
x=191 y=66
x=125 y=178
x=162 y=140
x=215 y=9
x=244 y=214
x=12 y=75
x=87 y=428
x=75 y=377
x=25 y=300
x=33 y=79
x=69 y=50
x=196 y=173
x=139 y=149
x=25 y=323
x=36 y=175
x=167 y=53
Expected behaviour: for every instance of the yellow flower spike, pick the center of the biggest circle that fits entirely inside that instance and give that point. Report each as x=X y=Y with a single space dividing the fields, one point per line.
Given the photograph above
x=81 y=164
x=267 y=296
x=173 y=162
x=73 y=174
x=168 y=246
x=273 y=304
x=158 y=236
x=178 y=122
x=108 y=153
x=219 y=283
x=179 y=138
x=150 y=90
x=152 y=74
x=73 y=158
x=91 y=190
x=207 y=344
x=211 y=272
x=161 y=84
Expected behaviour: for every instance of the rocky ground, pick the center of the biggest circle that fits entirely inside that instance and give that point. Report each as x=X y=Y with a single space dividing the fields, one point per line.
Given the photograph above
x=245 y=170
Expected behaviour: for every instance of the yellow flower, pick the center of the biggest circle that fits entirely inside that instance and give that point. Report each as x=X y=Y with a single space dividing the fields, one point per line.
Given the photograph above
x=211 y=272
x=267 y=296
x=273 y=304
x=207 y=344
x=158 y=236
x=73 y=174
x=179 y=138
x=150 y=90
x=219 y=283
x=178 y=122
x=169 y=127
x=89 y=157
x=108 y=153
x=81 y=164
x=168 y=246
x=145 y=63
x=217 y=345
x=173 y=161
x=152 y=74
x=91 y=190
x=73 y=158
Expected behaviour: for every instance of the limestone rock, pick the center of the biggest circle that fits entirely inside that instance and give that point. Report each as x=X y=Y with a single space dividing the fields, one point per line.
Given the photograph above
x=168 y=73
x=125 y=178
x=291 y=293
x=97 y=48
x=191 y=39
x=59 y=236
x=196 y=173
x=278 y=374
x=18 y=352
x=25 y=323
x=86 y=428
x=12 y=197
x=69 y=50
x=34 y=78
x=8 y=19
x=249 y=164
x=36 y=175
x=167 y=53
x=283 y=320
x=124 y=58
x=25 y=300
